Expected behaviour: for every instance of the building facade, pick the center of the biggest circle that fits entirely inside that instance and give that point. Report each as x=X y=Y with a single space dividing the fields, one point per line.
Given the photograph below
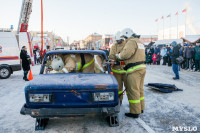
x=90 y=41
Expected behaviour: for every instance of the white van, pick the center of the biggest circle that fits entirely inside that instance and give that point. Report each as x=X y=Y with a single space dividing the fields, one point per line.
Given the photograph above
x=9 y=54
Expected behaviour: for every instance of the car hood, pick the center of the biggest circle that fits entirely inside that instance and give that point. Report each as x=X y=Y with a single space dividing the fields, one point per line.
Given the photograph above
x=73 y=81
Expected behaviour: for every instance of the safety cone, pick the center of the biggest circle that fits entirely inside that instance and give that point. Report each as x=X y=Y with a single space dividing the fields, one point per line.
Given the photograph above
x=30 y=76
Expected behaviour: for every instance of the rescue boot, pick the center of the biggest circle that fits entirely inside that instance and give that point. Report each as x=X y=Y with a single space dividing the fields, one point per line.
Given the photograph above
x=132 y=115
x=120 y=102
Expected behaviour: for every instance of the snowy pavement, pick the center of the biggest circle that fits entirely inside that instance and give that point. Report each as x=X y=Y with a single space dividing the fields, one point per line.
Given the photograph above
x=163 y=111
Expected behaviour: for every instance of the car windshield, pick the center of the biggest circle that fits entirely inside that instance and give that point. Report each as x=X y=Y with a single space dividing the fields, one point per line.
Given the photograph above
x=75 y=63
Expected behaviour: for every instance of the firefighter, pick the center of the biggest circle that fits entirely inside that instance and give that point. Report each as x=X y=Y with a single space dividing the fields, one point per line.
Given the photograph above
x=133 y=54
x=118 y=70
x=78 y=63
x=57 y=65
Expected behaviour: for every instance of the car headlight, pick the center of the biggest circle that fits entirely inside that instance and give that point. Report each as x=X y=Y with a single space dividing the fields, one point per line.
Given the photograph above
x=40 y=98
x=104 y=96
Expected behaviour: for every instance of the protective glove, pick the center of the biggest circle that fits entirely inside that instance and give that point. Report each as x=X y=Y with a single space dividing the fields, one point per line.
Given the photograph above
x=65 y=70
x=118 y=56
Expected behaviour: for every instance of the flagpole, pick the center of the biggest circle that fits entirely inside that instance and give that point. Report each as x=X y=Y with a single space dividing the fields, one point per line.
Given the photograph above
x=163 y=28
x=185 y=21
x=177 y=26
x=170 y=28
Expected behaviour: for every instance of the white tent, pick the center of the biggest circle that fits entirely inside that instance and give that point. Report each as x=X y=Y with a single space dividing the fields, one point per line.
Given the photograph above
x=168 y=41
x=192 y=38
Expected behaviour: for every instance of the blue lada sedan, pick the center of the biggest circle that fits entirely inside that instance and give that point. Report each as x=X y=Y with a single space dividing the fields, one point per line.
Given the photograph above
x=57 y=94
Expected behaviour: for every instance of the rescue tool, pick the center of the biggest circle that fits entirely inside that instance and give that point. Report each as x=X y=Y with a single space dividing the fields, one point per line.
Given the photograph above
x=166 y=88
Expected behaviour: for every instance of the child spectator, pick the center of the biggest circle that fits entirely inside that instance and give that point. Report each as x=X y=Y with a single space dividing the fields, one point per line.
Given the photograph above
x=149 y=58
x=154 y=59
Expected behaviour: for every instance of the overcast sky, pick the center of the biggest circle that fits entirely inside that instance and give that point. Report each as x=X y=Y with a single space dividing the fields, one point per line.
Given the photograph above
x=79 y=18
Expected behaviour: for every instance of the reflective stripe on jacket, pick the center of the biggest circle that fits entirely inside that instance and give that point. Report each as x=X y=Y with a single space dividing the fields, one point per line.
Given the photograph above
x=79 y=66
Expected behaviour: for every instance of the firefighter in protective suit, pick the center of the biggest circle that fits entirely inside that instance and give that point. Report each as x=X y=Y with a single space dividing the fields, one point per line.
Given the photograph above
x=133 y=54
x=77 y=63
x=118 y=71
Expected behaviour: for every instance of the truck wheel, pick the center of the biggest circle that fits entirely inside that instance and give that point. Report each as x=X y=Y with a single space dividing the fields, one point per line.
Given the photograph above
x=5 y=72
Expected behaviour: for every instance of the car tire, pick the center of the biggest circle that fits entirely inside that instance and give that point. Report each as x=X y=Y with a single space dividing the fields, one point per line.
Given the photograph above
x=5 y=72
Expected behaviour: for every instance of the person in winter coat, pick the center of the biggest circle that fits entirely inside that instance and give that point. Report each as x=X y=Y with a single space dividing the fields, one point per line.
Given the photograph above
x=152 y=50
x=175 y=54
x=158 y=58
x=157 y=50
x=164 y=55
x=188 y=54
x=149 y=58
x=38 y=57
x=25 y=62
x=169 y=56
x=154 y=59
x=197 y=56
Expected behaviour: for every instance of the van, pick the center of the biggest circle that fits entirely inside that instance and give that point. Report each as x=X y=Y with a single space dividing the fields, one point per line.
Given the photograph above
x=9 y=54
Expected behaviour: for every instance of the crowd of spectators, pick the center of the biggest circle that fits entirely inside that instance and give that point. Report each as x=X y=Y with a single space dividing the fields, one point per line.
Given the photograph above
x=38 y=55
x=189 y=52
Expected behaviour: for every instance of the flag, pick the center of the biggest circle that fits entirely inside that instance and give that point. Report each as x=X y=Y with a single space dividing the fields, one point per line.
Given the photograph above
x=184 y=10
x=176 y=13
x=169 y=15
x=162 y=17
x=156 y=20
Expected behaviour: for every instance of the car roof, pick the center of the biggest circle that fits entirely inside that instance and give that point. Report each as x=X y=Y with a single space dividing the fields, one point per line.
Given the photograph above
x=78 y=52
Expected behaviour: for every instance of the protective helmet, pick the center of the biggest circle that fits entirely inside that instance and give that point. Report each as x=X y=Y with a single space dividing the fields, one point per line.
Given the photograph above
x=126 y=33
x=117 y=36
x=57 y=64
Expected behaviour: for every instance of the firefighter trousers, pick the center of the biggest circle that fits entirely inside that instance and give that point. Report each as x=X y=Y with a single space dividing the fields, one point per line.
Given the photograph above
x=135 y=91
x=121 y=79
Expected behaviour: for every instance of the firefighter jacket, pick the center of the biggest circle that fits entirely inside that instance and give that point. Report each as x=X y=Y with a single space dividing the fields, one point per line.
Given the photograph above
x=133 y=52
x=116 y=49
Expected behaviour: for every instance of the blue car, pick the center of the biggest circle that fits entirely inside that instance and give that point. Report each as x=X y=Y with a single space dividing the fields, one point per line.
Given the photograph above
x=72 y=94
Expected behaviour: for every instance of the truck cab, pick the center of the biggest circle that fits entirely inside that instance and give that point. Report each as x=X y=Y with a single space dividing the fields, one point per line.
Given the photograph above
x=75 y=93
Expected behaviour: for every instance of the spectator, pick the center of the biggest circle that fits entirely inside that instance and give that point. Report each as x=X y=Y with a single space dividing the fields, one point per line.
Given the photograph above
x=168 y=56
x=175 y=54
x=38 y=57
x=188 y=51
x=164 y=55
x=35 y=56
x=149 y=58
x=25 y=62
x=154 y=59
x=158 y=58
x=197 y=56
x=182 y=65
x=152 y=50
x=157 y=50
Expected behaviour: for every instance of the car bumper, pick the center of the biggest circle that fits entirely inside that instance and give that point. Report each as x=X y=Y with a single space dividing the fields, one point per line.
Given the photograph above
x=66 y=112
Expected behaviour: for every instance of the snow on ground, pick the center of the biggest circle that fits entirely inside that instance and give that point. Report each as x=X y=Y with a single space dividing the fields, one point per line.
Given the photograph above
x=163 y=111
